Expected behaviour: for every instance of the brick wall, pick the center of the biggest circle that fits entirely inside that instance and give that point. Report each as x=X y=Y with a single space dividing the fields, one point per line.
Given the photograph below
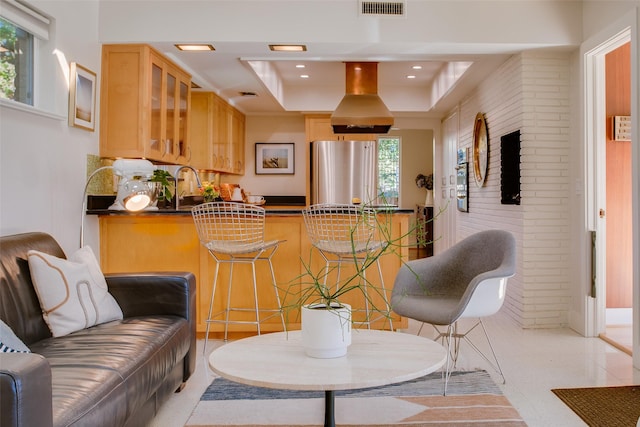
x=530 y=93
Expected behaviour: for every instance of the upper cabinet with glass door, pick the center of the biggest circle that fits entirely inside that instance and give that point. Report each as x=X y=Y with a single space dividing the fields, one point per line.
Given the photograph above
x=144 y=109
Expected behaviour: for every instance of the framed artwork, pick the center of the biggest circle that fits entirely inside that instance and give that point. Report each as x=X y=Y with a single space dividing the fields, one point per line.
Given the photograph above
x=275 y=158
x=82 y=97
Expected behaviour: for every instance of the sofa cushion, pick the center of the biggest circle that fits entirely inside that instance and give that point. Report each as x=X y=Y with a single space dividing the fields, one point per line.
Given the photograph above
x=104 y=374
x=73 y=293
x=9 y=342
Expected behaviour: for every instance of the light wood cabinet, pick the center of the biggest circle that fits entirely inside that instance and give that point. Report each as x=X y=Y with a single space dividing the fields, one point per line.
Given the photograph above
x=217 y=134
x=145 y=105
x=237 y=141
x=318 y=128
x=156 y=242
x=202 y=125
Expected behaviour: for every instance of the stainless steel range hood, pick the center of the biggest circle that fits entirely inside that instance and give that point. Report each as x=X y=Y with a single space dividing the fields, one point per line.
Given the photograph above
x=361 y=110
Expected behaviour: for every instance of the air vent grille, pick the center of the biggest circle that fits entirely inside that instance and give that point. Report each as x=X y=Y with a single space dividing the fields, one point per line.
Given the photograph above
x=382 y=8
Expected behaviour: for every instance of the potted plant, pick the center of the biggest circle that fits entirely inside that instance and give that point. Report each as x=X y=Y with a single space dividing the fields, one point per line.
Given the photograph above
x=163 y=180
x=316 y=294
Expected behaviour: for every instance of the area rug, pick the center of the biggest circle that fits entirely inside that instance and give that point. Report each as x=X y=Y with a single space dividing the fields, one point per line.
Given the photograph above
x=472 y=399
x=604 y=406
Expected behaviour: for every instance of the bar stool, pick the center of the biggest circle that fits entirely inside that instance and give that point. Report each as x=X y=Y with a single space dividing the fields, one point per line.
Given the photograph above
x=234 y=233
x=345 y=233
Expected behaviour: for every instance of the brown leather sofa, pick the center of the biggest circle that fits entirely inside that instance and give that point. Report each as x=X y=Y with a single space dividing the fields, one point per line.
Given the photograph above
x=114 y=374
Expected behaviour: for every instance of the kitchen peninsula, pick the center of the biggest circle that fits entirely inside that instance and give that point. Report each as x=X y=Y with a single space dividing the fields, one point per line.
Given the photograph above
x=166 y=240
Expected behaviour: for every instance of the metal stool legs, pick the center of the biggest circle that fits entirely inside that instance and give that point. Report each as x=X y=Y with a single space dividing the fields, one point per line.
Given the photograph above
x=229 y=308
x=383 y=291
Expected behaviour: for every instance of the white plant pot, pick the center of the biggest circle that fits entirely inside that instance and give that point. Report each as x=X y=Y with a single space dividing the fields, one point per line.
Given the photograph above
x=326 y=333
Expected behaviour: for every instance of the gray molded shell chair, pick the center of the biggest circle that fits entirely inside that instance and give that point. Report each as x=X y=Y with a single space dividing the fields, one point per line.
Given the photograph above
x=234 y=233
x=344 y=234
x=466 y=281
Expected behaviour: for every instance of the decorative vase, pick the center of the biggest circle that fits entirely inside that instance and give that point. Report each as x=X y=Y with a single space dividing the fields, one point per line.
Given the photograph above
x=429 y=199
x=326 y=332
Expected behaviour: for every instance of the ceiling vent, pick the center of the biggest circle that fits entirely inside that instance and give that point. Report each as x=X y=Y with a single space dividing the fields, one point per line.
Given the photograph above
x=382 y=8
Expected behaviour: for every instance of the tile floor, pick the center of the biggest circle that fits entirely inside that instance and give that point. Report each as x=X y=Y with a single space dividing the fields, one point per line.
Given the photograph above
x=533 y=362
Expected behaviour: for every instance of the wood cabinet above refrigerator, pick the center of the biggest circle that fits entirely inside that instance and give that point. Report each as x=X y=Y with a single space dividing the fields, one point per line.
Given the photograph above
x=144 y=106
x=318 y=128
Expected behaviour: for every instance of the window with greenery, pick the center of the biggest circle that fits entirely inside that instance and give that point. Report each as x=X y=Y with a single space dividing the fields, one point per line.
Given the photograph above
x=389 y=169
x=16 y=63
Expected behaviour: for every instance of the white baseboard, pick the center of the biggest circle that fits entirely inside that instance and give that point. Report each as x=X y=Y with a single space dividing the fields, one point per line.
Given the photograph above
x=619 y=316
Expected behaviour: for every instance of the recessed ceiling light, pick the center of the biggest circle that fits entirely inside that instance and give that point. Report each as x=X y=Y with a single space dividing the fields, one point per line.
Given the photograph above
x=195 y=47
x=288 y=47
x=411 y=77
x=417 y=67
x=300 y=66
x=304 y=76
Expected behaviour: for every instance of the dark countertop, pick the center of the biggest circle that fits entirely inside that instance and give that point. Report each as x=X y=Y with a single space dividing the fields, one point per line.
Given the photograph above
x=280 y=205
x=270 y=210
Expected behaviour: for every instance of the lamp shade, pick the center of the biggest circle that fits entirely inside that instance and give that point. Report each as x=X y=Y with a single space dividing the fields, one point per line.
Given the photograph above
x=135 y=195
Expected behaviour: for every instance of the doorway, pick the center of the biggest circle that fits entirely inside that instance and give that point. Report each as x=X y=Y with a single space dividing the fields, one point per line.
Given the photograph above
x=610 y=65
x=619 y=260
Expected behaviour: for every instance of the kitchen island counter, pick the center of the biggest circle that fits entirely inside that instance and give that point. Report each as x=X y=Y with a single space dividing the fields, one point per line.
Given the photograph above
x=166 y=240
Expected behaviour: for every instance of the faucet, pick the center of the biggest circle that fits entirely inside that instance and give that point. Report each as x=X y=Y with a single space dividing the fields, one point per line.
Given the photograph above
x=195 y=172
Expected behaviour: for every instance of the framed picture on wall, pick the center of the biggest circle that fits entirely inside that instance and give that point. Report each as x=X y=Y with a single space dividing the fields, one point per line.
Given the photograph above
x=276 y=158
x=82 y=97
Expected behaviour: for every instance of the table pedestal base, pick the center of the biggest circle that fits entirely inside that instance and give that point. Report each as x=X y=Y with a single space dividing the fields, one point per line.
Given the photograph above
x=329 y=408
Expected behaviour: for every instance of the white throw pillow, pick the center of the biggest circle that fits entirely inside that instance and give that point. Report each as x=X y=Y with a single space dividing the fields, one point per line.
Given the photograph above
x=73 y=293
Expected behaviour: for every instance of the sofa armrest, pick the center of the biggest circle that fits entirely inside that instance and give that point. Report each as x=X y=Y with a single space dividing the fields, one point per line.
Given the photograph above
x=154 y=293
x=25 y=390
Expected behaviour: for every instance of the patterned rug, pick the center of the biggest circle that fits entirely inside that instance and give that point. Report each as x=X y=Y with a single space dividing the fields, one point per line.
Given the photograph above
x=604 y=406
x=472 y=399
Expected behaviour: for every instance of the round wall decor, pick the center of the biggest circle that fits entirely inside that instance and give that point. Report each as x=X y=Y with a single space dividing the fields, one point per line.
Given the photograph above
x=480 y=149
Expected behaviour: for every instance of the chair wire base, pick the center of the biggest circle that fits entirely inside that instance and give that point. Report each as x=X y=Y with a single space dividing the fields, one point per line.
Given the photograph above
x=453 y=337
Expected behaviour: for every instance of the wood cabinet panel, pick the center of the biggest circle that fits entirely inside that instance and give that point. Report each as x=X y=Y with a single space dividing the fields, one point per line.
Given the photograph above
x=217 y=134
x=153 y=242
x=144 y=106
x=318 y=128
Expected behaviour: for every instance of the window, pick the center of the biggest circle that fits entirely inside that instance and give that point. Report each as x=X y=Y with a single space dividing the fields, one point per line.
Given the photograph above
x=16 y=63
x=389 y=169
x=24 y=33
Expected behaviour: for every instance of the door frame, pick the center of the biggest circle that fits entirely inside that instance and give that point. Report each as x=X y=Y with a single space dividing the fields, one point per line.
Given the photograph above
x=595 y=172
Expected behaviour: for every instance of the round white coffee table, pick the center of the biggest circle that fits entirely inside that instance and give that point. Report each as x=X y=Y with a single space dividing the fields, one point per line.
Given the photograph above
x=374 y=358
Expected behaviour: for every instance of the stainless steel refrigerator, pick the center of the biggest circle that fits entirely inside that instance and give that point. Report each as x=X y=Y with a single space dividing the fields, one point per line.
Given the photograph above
x=344 y=171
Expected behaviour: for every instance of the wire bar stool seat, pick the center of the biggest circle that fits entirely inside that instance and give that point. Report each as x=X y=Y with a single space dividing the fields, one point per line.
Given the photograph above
x=234 y=233
x=342 y=234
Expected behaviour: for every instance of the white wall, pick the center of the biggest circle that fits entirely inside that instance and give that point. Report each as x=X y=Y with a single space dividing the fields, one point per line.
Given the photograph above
x=416 y=157
x=530 y=93
x=42 y=160
x=285 y=128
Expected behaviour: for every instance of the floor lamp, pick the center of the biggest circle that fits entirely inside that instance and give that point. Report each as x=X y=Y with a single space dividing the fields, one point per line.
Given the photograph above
x=135 y=192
